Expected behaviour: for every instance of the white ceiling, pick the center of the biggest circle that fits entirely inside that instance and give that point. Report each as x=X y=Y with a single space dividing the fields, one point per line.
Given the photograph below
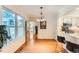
x=73 y=13
x=34 y=10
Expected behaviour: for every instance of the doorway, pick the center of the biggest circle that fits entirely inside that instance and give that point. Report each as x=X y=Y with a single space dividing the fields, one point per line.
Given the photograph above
x=36 y=32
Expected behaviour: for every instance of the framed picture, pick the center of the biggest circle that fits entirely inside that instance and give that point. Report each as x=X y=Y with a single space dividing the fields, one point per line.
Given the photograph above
x=43 y=24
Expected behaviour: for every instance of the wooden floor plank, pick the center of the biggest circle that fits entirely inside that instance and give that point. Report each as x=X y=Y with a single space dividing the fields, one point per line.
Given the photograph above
x=42 y=46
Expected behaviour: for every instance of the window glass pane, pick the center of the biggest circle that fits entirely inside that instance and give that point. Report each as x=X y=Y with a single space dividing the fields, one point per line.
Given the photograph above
x=12 y=33
x=9 y=20
x=20 y=23
x=20 y=32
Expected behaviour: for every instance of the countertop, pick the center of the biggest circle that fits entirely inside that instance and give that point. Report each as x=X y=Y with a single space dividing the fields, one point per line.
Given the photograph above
x=74 y=38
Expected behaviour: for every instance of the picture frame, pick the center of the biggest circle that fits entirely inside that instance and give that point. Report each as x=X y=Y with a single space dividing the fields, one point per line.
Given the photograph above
x=43 y=24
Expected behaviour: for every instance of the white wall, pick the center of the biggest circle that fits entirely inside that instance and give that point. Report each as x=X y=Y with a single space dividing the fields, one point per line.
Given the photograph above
x=50 y=32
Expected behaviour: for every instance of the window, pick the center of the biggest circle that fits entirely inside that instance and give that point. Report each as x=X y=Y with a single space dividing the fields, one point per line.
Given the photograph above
x=20 y=26
x=8 y=19
x=14 y=24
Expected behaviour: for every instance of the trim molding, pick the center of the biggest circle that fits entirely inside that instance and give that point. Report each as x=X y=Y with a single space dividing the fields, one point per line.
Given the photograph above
x=20 y=48
x=47 y=39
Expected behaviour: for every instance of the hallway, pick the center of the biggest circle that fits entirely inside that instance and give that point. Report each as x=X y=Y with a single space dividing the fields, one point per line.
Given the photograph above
x=42 y=46
x=21 y=23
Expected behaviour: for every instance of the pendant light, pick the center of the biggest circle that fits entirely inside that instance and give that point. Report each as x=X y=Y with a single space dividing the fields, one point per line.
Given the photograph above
x=42 y=17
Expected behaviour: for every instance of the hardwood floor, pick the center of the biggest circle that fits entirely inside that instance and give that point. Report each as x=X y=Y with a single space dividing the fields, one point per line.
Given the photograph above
x=42 y=46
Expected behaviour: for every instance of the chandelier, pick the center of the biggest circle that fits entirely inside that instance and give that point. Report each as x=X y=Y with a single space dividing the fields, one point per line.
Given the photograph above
x=42 y=17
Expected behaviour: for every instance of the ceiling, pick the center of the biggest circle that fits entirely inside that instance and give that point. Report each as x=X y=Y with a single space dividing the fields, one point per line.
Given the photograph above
x=73 y=13
x=33 y=11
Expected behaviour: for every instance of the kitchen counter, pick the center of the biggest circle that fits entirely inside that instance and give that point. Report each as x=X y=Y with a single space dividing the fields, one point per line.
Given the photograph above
x=75 y=35
x=73 y=38
x=64 y=46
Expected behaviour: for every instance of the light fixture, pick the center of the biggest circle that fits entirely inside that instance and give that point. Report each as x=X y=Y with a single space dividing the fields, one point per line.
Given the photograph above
x=42 y=18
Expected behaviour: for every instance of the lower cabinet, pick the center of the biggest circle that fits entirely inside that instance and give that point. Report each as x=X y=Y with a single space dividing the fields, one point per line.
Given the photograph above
x=72 y=47
x=61 y=39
